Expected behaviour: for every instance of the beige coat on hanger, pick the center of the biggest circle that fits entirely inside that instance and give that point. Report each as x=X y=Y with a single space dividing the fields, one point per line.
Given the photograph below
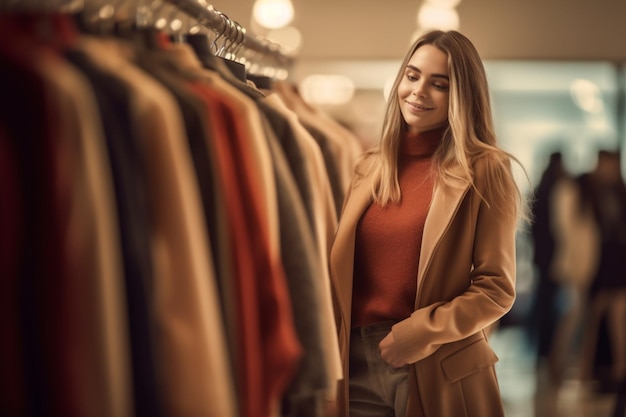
x=466 y=282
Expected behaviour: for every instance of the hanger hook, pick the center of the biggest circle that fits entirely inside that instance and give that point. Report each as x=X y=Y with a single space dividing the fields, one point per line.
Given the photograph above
x=227 y=40
x=234 y=39
x=241 y=32
x=220 y=34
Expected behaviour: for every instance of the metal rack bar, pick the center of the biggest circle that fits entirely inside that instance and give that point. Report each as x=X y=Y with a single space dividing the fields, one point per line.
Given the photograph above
x=219 y=23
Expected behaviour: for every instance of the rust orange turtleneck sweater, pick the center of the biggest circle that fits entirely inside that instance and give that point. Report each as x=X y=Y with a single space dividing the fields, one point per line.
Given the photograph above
x=389 y=239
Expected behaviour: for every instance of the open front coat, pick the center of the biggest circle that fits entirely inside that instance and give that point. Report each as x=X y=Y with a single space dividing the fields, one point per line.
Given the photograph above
x=465 y=282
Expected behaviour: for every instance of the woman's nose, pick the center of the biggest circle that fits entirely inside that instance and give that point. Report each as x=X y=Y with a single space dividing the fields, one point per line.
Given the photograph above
x=419 y=90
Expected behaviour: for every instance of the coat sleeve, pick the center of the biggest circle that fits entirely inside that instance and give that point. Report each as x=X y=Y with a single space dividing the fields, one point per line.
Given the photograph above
x=479 y=269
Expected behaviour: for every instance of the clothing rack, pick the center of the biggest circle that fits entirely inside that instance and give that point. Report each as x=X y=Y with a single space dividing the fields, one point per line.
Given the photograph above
x=232 y=31
x=258 y=52
x=241 y=191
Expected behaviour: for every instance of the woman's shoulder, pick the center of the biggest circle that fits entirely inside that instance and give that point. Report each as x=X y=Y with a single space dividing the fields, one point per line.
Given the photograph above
x=491 y=164
x=495 y=182
x=493 y=176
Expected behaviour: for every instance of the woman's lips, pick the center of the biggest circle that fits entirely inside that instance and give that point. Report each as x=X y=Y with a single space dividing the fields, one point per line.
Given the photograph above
x=418 y=107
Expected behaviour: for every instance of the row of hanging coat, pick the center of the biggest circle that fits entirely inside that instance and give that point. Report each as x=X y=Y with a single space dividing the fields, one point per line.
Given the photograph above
x=165 y=229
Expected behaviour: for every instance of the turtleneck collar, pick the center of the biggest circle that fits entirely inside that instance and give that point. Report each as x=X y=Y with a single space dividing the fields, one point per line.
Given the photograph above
x=421 y=144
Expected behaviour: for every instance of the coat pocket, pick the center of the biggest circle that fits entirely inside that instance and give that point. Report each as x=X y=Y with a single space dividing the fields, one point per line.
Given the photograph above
x=468 y=360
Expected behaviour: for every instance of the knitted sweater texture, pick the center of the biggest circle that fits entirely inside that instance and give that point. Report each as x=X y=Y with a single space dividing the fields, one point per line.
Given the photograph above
x=389 y=238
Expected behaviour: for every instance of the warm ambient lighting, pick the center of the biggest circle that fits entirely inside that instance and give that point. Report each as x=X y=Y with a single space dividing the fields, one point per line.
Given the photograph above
x=450 y=4
x=289 y=38
x=586 y=94
x=432 y=16
x=327 y=89
x=273 y=14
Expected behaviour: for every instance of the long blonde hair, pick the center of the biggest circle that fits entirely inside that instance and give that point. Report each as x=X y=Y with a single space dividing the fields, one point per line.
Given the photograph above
x=470 y=133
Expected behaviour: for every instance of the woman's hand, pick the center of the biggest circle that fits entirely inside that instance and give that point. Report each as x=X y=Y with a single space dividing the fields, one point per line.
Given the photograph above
x=390 y=353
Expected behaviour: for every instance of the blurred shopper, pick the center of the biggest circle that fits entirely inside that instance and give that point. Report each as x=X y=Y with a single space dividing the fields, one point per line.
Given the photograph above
x=606 y=191
x=544 y=313
x=574 y=264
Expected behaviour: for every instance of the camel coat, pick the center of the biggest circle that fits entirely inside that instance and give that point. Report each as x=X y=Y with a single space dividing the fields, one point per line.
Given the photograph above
x=465 y=282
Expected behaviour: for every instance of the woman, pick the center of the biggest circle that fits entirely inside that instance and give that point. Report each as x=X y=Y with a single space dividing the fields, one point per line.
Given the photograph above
x=424 y=256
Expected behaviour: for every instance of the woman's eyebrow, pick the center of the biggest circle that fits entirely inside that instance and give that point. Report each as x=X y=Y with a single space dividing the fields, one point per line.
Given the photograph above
x=414 y=68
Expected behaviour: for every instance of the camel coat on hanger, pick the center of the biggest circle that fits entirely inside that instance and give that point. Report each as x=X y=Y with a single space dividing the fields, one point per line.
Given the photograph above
x=465 y=282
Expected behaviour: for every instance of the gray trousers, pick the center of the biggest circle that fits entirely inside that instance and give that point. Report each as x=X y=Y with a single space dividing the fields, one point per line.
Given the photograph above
x=375 y=388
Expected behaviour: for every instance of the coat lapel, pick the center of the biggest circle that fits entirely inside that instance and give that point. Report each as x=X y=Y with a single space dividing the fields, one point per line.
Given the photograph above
x=445 y=203
x=359 y=198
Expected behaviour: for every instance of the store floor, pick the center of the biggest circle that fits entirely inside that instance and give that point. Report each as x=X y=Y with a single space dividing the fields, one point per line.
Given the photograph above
x=525 y=390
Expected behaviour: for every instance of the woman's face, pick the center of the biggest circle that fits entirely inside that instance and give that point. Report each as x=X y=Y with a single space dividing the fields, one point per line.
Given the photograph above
x=423 y=92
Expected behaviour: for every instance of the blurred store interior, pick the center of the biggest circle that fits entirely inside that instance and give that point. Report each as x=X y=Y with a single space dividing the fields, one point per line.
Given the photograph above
x=557 y=75
x=555 y=69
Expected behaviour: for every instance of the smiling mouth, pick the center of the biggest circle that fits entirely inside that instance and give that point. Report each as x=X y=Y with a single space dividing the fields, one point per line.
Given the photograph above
x=418 y=106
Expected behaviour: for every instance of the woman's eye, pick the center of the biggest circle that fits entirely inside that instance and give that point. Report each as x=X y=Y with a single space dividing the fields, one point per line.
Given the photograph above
x=440 y=86
x=411 y=77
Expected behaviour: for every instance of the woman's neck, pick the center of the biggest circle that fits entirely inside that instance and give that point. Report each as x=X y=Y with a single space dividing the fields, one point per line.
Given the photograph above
x=423 y=143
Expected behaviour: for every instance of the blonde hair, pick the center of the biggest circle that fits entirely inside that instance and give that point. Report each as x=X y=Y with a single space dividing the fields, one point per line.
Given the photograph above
x=470 y=133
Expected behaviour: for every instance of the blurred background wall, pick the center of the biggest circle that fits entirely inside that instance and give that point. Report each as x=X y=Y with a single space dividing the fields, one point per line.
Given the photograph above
x=501 y=29
x=555 y=67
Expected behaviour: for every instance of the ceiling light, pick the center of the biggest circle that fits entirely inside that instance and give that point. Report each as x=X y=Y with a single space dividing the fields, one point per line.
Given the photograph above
x=448 y=4
x=436 y=17
x=289 y=38
x=273 y=14
x=586 y=94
